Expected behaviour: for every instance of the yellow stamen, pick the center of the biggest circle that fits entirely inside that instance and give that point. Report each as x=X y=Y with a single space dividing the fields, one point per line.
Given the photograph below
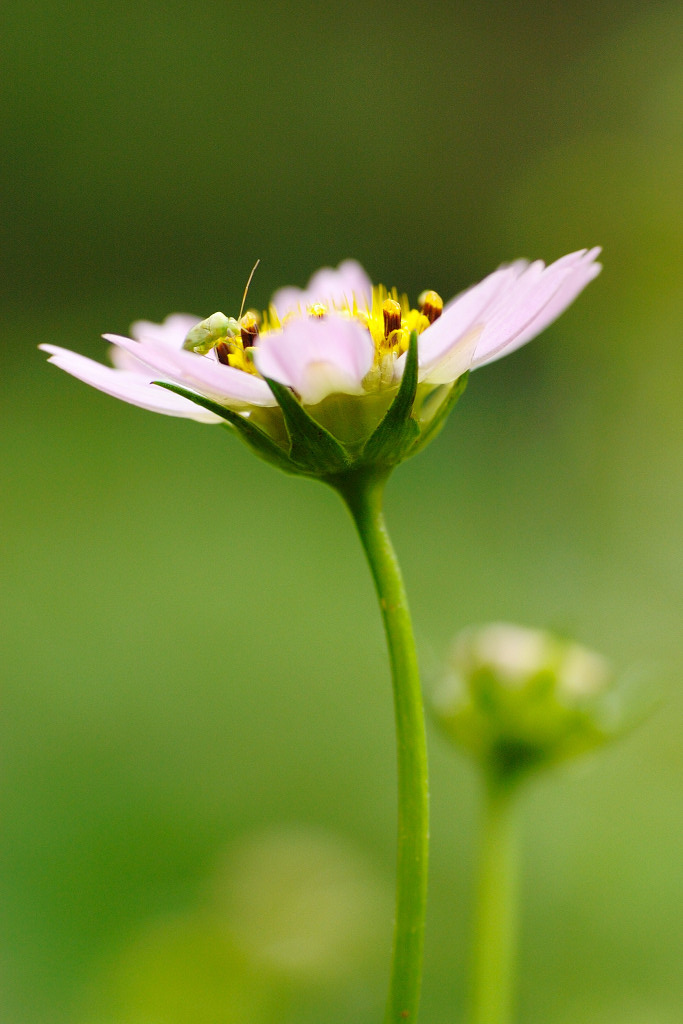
x=249 y=329
x=388 y=318
x=391 y=311
x=222 y=350
x=431 y=304
x=243 y=359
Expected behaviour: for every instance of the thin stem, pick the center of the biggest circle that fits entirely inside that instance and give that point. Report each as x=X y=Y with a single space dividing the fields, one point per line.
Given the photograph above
x=363 y=495
x=496 y=908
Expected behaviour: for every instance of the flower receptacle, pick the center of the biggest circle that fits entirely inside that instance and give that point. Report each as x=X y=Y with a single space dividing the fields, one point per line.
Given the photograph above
x=374 y=433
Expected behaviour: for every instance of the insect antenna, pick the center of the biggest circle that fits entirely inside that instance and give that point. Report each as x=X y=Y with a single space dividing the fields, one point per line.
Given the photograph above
x=244 y=297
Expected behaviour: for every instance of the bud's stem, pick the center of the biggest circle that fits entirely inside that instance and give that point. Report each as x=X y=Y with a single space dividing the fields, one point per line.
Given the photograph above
x=496 y=908
x=363 y=495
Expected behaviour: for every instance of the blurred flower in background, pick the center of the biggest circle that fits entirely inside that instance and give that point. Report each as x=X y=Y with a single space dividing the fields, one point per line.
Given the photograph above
x=303 y=904
x=517 y=699
x=293 y=918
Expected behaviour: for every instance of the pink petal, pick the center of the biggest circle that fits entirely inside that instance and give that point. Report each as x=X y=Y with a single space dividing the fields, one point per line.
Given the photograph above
x=466 y=311
x=332 y=287
x=318 y=357
x=128 y=386
x=453 y=362
x=509 y=307
x=290 y=300
x=538 y=297
x=347 y=282
x=226 y=385
x=581 y=275
x=171 y=332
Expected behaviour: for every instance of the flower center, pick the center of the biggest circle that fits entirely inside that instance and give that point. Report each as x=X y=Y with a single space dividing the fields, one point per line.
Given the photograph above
x=388 y=319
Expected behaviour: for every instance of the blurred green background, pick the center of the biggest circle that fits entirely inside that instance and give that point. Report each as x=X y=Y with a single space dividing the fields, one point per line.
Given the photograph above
x=197 y=758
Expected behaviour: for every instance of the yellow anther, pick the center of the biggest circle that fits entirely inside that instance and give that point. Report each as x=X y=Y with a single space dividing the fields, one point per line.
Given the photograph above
x=391 y=311
x=243 y=359
x=249 y=329
x=318 y=310
x=431 y=304
x=397 y=341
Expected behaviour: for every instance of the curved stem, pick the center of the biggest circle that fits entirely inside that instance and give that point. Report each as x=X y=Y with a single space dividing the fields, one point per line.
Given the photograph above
x=363 y=495
x=496 y=908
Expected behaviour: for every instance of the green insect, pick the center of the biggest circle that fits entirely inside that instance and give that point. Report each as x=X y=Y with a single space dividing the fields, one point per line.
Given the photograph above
x=205 y=335
x=218 y=327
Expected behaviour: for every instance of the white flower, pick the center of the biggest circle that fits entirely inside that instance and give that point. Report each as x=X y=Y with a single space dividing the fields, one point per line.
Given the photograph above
x=340 y=345
x=514 y=653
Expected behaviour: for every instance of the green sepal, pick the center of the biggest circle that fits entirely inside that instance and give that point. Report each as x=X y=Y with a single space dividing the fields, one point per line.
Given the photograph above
x=436 y=425
x=252 y=435
x=397 y=432
x=312 y=447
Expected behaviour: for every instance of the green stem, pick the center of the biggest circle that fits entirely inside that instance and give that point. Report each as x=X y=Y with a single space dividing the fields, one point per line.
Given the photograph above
x=363 y=495
x=496 y=908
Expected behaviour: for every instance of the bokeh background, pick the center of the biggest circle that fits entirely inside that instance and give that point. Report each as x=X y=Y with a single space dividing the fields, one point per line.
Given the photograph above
x=197 y=758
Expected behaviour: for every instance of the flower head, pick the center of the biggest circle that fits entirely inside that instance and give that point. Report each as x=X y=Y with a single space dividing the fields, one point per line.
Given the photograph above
x=518 y=698
x=343 y=362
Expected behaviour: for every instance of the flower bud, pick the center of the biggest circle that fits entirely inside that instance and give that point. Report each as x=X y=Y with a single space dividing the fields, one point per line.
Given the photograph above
x=518 y=698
